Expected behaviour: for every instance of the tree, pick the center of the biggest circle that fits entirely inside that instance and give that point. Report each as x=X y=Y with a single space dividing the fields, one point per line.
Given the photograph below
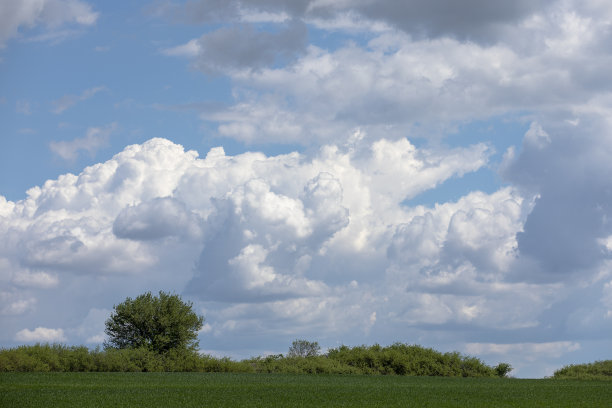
x=502 y=369
x=304 y=348
x=158 y=323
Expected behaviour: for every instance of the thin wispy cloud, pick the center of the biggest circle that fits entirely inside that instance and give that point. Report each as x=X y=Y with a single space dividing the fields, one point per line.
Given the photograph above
x=95 y=138
x=23 y=107
x=67 y=101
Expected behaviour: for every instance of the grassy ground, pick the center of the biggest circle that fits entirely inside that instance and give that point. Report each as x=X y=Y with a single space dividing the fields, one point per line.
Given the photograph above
x=281 y=390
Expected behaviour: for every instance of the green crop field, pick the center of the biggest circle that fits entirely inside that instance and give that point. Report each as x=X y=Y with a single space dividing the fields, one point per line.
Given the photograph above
x=282 y=390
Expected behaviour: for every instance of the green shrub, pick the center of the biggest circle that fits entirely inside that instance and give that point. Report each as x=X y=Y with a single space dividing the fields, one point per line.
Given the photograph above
x=596 y=370
x=502 y=369
x=300 y=365
x=396 y=359
x=404 y=359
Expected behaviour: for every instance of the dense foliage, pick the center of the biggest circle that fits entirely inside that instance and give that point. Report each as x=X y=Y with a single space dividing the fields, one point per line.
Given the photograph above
x=60 y=358
x=596 y=370
x=397 y=359
x=158 y=323
x=403 y=359
x=304 y=348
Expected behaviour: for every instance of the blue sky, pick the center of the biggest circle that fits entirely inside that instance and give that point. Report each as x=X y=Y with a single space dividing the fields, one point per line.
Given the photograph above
x=351 y=172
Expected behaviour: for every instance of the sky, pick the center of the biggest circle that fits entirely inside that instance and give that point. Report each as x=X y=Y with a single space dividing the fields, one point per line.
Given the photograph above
x=347 y=172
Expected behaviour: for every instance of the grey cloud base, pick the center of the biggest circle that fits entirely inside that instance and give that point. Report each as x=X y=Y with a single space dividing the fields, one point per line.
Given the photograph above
x=476 y=20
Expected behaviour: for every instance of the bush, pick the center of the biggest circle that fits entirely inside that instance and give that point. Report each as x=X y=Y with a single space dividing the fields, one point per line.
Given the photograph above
x=45 y=357
x=502 y=369
x=300 y=365
x=404 y=359
x=596 y=370
x=397 y=359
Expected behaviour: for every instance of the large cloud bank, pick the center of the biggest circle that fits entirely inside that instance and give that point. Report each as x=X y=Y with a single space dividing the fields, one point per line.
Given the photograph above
x=291 y=244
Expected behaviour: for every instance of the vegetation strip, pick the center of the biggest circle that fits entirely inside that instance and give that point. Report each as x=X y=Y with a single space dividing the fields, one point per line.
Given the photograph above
x=598 y=370
x=397 y=359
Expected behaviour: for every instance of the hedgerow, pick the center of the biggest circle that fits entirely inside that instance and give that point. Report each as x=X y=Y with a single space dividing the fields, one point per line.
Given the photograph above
x=397 y=359
x=404 y=359
x=596 y=371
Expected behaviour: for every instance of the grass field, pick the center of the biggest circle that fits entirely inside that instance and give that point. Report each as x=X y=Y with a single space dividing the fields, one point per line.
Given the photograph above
x=281 y=390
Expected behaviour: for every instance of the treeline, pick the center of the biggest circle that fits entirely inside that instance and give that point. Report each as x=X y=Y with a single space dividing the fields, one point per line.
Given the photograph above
x=397 y=359
x=598 y=370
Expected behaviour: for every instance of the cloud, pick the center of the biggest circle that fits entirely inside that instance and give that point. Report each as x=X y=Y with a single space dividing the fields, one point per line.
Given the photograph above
x=15 y=307
x=321 y=242
x=111 y=217
x=52 y=14
x=244 y=228
x=531 y=349
x=536 y=137
x=562 y=234
x=190 y=49
x=27 y=278
x=480 y=229
x=41 y=335
x=476 y=20
x=91 y=329
x=70 y=220
x=27 y=131
x=539 y=63
x=68 y=101
x=196 y=12
x=211 y=11
x=291 y=243
x=23 y=107
x=423 y=79
x=384 y=90
x=262 y=238
x=242 y=47
x=95 y=139
x=155 y=219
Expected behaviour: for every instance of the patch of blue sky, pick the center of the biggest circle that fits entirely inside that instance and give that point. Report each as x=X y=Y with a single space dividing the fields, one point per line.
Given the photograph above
x=485 y=179
x=332 y=40
x=235 y=147
x=133 y=89
x=500 y=133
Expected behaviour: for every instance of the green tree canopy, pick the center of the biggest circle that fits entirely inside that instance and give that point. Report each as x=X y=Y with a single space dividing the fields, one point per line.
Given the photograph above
x=304 y=348
x=159 y=323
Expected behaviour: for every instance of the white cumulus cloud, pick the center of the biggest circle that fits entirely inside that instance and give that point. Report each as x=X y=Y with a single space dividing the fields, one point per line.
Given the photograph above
x=41 y=334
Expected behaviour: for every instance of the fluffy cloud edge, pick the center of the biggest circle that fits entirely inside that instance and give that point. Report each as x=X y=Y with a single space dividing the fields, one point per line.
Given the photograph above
x=41 y=335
